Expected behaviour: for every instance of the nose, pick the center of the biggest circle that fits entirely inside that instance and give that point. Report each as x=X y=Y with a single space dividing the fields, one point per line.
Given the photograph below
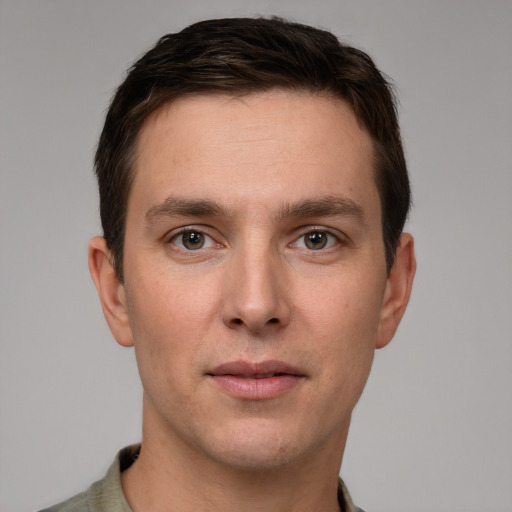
x=256 y=296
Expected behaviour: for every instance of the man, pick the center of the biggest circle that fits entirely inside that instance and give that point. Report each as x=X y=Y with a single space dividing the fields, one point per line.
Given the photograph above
x=253 y=194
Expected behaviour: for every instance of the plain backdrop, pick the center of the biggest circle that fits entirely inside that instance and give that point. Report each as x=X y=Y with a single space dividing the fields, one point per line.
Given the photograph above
x=433 y=429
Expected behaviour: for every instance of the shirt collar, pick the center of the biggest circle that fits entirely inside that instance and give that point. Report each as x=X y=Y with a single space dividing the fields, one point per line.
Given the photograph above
x=109 y=491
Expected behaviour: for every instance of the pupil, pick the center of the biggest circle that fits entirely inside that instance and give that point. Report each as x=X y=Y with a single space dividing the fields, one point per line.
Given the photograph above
x=316 y=240
x=193 y=240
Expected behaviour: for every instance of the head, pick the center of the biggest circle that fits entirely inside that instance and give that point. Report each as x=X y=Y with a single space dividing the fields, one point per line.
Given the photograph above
x=238 y=57
x=253 y=194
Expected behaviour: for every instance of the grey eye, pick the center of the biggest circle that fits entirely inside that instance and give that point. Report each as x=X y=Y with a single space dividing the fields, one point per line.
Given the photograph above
x=191 y=240
x=316 y=240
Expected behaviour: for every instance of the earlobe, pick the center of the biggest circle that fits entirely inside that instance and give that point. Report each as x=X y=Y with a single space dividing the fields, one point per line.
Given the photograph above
x=110 y=290
x=398 y=290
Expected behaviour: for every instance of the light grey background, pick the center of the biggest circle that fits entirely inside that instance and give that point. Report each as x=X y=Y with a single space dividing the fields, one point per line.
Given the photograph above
x=433 y=430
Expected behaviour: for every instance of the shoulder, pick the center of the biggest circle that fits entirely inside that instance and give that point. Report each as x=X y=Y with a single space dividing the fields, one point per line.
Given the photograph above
x=344 y=499
x=105 y=495
x=78 y=503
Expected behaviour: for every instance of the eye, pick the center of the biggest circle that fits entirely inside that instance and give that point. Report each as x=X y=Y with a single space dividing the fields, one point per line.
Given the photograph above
x=192 y=240
x=316 y=240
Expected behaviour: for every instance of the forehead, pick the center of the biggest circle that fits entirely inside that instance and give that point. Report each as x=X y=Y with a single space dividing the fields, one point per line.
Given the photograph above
x=266 y=147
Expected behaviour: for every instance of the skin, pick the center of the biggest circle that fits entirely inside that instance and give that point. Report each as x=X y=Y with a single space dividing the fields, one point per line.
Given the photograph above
x=287 y=172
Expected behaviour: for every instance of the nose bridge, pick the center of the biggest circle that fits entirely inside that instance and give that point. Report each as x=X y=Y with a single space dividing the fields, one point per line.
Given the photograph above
x=256 y=295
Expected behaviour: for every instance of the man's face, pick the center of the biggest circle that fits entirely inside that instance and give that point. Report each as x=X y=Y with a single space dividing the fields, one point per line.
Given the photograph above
x=254 y=274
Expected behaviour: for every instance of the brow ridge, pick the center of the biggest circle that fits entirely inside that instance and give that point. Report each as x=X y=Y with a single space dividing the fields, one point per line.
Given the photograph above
x=178 y=206
x=323 y=206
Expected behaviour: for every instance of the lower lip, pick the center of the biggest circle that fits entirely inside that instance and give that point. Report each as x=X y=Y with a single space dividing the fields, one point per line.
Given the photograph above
x=256 y=389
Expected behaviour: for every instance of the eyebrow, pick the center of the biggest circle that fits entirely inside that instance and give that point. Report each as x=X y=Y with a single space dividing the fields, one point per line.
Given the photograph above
x=178 y=206
x=325 y=206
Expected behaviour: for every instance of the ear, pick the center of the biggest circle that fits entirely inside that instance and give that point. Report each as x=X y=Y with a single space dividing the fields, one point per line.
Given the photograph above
x=110 y=290
x=398 y=290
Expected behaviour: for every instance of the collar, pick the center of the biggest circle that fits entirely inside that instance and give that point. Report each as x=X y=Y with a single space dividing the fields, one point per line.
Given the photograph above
x=108 y=495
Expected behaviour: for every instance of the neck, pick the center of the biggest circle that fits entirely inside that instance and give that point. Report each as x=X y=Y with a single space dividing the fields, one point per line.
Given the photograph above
x=169 y=475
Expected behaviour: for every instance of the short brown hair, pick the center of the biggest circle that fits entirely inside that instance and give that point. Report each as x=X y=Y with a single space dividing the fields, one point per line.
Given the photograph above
x=240 y=56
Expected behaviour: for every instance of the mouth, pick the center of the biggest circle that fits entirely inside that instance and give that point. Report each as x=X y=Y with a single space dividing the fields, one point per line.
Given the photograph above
x=260 y=375
x=256 y=381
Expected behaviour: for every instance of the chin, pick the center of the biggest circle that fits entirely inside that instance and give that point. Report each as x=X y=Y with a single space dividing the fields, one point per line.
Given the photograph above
x=258 y=449
x=252 y=457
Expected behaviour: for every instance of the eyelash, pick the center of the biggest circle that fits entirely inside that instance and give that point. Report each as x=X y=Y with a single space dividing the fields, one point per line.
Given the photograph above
x=189 y=230
x=332 y=240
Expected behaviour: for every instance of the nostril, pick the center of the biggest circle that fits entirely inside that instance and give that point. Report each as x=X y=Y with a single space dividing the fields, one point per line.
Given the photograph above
x=239 y=321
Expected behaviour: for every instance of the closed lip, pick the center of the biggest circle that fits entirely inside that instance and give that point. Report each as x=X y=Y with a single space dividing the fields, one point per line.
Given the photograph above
x=255 y=370
x=247 y=380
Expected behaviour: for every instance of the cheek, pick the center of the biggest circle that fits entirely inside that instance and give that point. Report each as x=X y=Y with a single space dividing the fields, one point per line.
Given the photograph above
x=343 y=318
x=162 y=305
x=348 y=305
x=155 y=324
x=170 y=319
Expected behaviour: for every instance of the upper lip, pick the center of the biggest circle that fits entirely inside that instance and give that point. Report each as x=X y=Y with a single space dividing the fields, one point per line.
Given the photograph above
x=264 y=369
